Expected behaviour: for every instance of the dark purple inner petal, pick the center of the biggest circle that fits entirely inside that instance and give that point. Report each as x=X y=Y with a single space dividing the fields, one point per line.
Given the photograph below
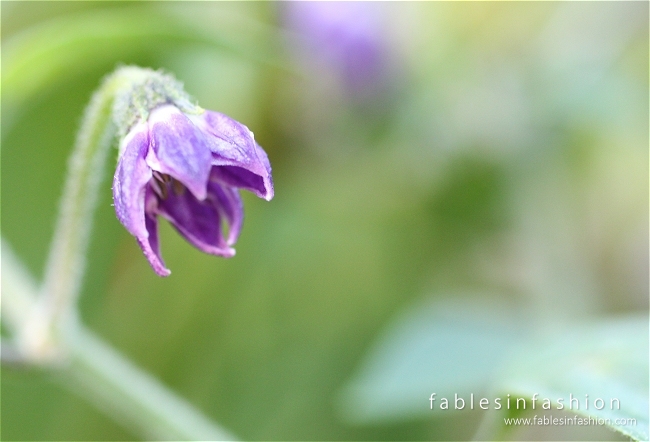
x=152 y=227
x=240 y=178
x=230 y=206
x=198 y=221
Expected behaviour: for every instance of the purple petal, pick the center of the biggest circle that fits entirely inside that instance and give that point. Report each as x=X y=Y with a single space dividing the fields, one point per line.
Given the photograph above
x=130 y=180
x=151 y=248
x=266 y=175
x=200 y=221
x=179 y=149
x=243 y=162
x=232 y=143
x=243 y=179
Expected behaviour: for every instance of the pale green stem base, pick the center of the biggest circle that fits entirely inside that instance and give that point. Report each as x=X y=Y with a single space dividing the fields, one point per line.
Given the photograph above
x=99 y=373
x=131 y=396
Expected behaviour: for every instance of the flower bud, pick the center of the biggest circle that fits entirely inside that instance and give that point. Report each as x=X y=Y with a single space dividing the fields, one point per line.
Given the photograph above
x=185 y=164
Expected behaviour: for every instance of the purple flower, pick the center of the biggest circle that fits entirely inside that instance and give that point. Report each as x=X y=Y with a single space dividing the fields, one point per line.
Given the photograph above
x=188 y=169
x=349 y=36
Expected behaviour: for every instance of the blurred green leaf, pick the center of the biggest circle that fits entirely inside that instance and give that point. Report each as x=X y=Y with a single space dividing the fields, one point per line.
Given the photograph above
x=39 y=55
x=447 y=348
x=605 y=360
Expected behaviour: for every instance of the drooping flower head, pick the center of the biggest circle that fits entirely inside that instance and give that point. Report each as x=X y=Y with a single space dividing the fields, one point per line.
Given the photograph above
x=185 y=164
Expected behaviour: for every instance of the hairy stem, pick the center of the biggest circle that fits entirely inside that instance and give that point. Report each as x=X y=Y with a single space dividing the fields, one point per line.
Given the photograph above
x=66 y=262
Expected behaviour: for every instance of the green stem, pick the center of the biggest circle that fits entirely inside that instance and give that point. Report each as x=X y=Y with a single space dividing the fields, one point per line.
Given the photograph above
x=98 y=372
x=66 y=262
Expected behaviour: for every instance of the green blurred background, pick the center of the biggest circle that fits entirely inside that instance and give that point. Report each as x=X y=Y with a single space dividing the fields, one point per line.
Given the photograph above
x=506 y=164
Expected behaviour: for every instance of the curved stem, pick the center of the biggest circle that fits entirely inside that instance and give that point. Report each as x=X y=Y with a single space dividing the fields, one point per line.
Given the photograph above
x=66 y=262
x=97 y=372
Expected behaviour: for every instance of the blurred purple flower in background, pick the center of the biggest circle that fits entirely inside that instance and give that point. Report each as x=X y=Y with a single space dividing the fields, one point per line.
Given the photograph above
x=188 y=169
x=348 y=36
